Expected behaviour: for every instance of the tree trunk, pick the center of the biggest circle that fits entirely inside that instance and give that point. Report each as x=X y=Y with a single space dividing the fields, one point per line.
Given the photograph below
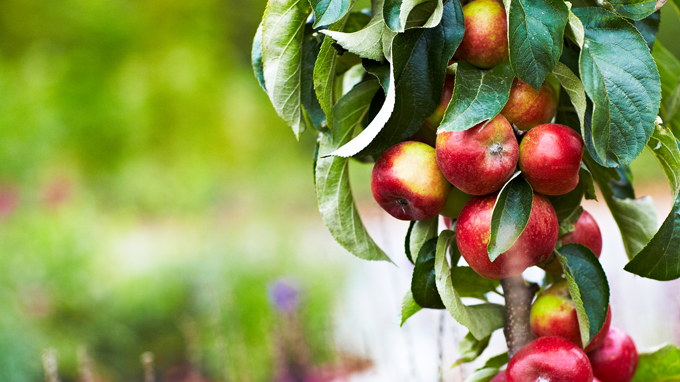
x=518 y=297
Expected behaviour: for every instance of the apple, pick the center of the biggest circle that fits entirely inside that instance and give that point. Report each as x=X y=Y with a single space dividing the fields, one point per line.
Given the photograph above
x=407 y=183
x=532 y=247
x=485 y=43
x=500 y=377
x=434 y=120
x=479 y=161
x=586 y=232
x=455 y=203
x=616 y=360
x=550 y=158
x=554 y=314
x=553 y=359
x=527 y=108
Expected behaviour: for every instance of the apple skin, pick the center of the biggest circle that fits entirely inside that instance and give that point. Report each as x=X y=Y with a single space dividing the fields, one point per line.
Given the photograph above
x=500 y=377
x=554 y=314
x=434 y=120
x=552 y=359
x=586 y=232
x=485 y=43
x=455 y=203
x=532 y=247
x=407 y=183
x=616 y=360
x=479 y=161
x=550 y=158
x=527 y=108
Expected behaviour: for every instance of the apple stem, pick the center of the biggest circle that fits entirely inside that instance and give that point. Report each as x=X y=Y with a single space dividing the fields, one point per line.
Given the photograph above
x=518 y=297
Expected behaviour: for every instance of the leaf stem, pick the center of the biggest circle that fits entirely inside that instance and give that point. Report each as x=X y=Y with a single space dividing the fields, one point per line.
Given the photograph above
x=518 y=297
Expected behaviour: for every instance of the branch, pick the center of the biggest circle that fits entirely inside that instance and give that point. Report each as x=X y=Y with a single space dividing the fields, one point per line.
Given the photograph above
x=518 y=297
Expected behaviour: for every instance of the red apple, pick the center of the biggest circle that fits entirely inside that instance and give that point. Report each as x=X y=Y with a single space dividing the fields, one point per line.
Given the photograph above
x=479 y=161
x=586 y=232
x=435 y=119
x=616 y=360
x=554 y=314
x=485 y=43
x=407 y=183
x=552 y=359
x=500 y=377
x=550 y=158
x=527 y=108
x=532 y=247
x=455 y=203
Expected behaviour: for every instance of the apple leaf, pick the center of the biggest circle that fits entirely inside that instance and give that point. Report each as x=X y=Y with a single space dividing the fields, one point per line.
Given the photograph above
x=419 y=62
x=588 y=287
x=409 y=307
x=664 y=146
x=470 y=284
x=471 y=348
x=481 y=320
x=478 y=96
x=497 y=361
x=327 y=12
x=634 y=9
x=423 y=283
x=649 y=27
x=483 y=375
x=568 y=204
x=367 y=42
x=574 y=87
x=256 y=58
x=402 y=14
x=660 y=365
x=510 y=215
x=575 y=30
x=310 y=52
x=620 y=77
x=333 y=191
x=536 y=37
x=283 y=27
x=418 y=233
x=585 y=180
x=669 y=72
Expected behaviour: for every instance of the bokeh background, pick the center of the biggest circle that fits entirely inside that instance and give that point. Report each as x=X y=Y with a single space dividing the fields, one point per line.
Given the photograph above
x=158 y=221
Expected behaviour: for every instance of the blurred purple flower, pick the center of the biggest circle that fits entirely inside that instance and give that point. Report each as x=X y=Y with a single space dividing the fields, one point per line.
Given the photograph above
x=284 y=295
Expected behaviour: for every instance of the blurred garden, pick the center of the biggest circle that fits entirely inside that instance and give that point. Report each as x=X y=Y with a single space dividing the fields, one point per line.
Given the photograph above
x=151 y=200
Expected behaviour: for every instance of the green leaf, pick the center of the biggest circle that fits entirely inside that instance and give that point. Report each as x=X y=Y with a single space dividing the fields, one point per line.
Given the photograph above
x=310 y=52
x=567 y=225
x=483 y=375
x=398 y=13
x=478 y=96
x=283 y=27
x=423 y=283
x=471 y=348
x=664 y=146
x=409 y=307
x=510 y=215
x=470 y=284
x=588 y=288
x=649 y=27
x=669 y=72
x=567 y=205
x=333 y=191
x=497 y=361
x=575 y=30
x=367 y=42
x=327 y=12
x=481 y=320
x=660 y=365
x=420 y=58
x=574 y=87
x=419 y=232
x=256 y=58
x=585 y=179
x=620 y=77
x=634 y=9
x=536 y=36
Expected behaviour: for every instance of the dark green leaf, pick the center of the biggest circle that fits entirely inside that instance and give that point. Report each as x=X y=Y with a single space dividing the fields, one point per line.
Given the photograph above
x=409 y=307
x=469 y=284
x=661 y=365
x=634 y=9
x=478 y=96
x=399 y=14
x=510 y=215
x=649 y=27
x=585 y=180
x=483 y=375
x=573 y=86
x=256 y=58
x=536 y=36
x=664 y=146
x=423 y=283
x=567 y=205
x=669 y=72
x=481 y=320
x=471 y=348
x=588 y=287
x=621 y=79
x=333 y=191
x=497 y=361
x=567 y=224
x=419 y=232
x=381 y=70
x=310 y=52
x=283 y=27
x=327 y=12
x=420 y=58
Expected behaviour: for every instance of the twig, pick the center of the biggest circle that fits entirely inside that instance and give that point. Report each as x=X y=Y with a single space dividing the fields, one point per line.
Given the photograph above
x=518 y=297
x=147 y=361
x=49 y=360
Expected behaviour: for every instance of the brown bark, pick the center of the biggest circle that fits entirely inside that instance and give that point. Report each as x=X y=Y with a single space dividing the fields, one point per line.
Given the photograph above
x=518 y=297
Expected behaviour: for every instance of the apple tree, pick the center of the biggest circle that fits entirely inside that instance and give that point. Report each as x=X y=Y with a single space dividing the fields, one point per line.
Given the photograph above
x=500 y=117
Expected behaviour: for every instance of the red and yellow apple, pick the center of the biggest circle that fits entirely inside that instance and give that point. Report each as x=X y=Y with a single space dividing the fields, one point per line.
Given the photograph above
x=532 y=247
x=407 y=183
x=479 y=161
x=616 y=360
x=550 y=158
x=527 y=108
x=485 y=43
x=553 y=359
x=554 y=314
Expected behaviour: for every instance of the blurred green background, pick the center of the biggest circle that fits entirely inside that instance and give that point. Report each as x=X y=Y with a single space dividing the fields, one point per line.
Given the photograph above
x=150 y=195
